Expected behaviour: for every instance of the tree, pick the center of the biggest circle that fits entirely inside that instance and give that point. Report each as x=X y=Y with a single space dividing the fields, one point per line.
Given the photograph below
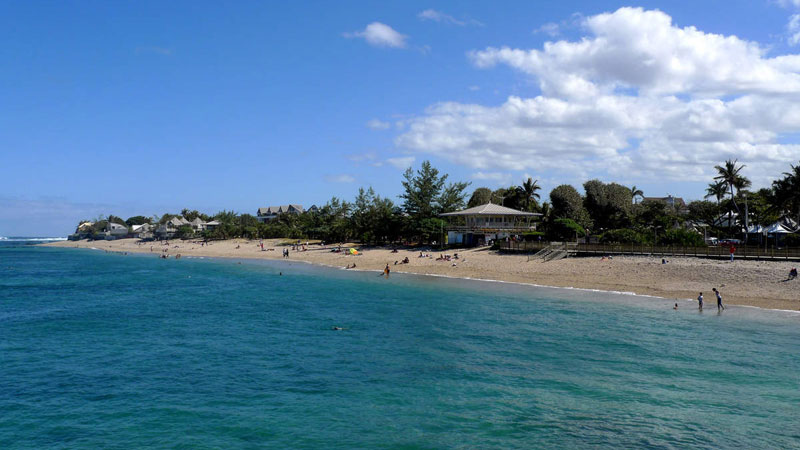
x=190 y=215
x=636 y=192
x=452 y=197
x=480 y=196
x=787 y=192
x=114 y=219
x=425 y=196
x=567 y=203
x=510 y=197
x=609 y=205
x=716 y=190
x=529 y=191
x=137 y=220
x=704 y=211
x=729 y=174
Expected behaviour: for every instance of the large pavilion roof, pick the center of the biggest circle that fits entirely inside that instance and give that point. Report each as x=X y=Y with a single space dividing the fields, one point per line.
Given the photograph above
x=490 y=209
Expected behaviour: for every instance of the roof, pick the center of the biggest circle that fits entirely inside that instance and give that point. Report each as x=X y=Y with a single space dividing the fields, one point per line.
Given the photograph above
x=197 y=221
x=279 y=209
x=490 y=209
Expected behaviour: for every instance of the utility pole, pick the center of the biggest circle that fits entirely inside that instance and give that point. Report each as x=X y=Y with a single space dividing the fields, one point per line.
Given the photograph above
x=746 y=220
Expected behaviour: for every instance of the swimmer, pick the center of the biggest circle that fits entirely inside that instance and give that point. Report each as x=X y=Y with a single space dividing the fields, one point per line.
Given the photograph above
x=335 y=328
x=675 y=307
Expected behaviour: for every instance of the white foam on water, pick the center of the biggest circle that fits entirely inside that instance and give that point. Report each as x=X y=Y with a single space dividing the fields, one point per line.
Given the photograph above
x=32 y=239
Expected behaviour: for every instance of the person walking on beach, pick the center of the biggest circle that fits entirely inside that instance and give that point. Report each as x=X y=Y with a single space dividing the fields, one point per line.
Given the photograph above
x=720 y=306
x=733 y=250
x=700 y=301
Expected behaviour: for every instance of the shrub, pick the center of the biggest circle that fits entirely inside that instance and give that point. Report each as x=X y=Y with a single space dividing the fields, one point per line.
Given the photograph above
x=792 y=240
x=682 y=237
x=623 y=236
x=565 y=230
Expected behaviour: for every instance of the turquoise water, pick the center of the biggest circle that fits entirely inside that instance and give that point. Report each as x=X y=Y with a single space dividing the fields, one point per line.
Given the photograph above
x=101 y=350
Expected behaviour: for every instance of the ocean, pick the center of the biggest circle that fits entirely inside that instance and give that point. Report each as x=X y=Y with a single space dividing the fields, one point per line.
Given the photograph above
x=106 y=350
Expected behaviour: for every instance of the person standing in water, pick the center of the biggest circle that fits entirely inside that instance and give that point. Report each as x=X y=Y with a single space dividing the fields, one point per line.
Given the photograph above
x=720 y=306
x=386 y=271
x=700 y=301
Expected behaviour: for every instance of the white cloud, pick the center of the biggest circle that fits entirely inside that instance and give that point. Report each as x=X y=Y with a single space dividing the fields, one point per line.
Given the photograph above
x=403 y=162
x=342 y=178
x=551 y=29
x=789 y=3
x=380 y=35
x=498 y=178
x=474 y=88
x=643 y=50
x=638 y=98
x=438 y=16
x=376 y=124
x=793 y=27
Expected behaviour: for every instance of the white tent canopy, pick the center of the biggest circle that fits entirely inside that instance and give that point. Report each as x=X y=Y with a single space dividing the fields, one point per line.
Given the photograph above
x=775 y=228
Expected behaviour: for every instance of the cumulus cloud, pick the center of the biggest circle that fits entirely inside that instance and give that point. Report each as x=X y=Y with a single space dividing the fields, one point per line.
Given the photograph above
x=402 y=162
x=376 y=124
x=643 y=50
x=342 y=178
x=438 y=16
x=380 y=35
x=638 y=97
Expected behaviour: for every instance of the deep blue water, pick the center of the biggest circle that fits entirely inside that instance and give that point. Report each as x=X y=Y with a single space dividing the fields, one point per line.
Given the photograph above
x=101 y=350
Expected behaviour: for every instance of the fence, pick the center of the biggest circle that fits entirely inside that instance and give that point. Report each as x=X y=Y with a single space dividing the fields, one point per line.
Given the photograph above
x=742 y=252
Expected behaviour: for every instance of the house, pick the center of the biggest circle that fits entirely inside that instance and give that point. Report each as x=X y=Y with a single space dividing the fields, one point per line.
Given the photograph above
x=487 y=222
x=198 y=224
x=266 y=214
x=114 y=231
x=168 y=229
x=675 y=202
x=314 y=209
x=143 y=231
x=83 y=231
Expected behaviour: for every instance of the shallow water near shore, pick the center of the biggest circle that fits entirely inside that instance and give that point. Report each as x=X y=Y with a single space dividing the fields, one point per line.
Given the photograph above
x=108 y=350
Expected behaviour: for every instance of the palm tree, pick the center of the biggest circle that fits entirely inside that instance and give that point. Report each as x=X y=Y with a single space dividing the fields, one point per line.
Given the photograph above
x=729 y=175
x=636 y=192
x=716 y=190
x=528 y=191
x=787 y=191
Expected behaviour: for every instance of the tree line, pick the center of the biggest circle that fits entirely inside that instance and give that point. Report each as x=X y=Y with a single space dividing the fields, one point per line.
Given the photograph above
x=610 y=212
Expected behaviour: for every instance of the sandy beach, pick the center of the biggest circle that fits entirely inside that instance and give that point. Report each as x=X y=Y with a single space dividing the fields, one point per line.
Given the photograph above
x=752 y=283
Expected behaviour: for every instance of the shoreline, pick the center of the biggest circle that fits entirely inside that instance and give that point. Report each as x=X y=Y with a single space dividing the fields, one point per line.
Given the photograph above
x=757 y=284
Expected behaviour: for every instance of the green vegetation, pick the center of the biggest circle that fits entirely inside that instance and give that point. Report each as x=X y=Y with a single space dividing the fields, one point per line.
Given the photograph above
x=605 y=212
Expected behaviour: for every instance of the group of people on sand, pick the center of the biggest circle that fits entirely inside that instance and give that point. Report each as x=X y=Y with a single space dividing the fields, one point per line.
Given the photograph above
x=447 y=257
x=404 y=261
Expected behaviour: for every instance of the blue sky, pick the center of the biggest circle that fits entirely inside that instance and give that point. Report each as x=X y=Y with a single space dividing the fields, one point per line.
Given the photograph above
x=149 y=107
